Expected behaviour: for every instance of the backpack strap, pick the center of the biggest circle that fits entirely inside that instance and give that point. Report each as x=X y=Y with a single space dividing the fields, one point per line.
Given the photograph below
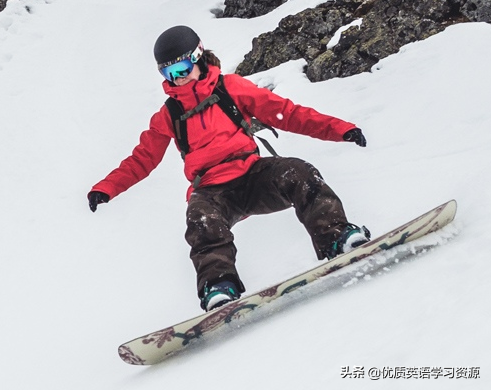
x=228 y=106
x=176 y=110
x=221 y=97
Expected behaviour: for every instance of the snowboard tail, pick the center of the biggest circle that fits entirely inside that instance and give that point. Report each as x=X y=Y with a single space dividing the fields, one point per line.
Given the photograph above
x=157 y=346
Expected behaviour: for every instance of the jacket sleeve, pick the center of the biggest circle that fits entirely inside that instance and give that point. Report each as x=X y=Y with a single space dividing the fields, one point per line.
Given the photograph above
x=143 y=160
x=282 y=113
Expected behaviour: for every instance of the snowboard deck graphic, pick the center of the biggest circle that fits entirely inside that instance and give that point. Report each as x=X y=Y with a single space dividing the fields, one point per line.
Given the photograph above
x=157 y=346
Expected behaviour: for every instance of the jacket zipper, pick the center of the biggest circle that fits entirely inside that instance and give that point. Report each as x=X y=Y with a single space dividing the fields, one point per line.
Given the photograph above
x=201 y=116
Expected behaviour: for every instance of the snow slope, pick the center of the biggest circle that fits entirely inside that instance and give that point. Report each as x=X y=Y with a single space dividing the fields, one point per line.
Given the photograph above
x=77 y=86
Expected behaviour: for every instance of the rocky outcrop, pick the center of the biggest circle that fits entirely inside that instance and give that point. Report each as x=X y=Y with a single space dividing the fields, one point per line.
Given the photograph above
x=3 y=4
x=249 y=8
x=386 y=25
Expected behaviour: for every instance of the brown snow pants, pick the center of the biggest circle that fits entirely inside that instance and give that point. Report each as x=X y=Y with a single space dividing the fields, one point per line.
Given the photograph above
x=272 y=184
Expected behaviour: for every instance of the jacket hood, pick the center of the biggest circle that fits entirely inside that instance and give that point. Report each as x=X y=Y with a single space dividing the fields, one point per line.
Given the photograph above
x=195 y=91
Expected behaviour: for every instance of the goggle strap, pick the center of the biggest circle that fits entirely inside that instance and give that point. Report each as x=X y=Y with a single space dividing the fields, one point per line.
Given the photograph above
x=193 y=55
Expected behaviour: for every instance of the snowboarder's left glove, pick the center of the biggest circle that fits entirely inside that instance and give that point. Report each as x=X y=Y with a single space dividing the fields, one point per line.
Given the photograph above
x=95 y=198
x=355 y=135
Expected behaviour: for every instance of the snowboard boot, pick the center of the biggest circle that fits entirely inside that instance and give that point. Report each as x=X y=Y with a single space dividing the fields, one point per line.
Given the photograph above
x=351 y=238
x=219 y=294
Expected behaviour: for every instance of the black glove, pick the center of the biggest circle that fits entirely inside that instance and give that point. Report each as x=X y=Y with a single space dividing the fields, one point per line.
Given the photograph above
x=355 y=135
x=95 y=198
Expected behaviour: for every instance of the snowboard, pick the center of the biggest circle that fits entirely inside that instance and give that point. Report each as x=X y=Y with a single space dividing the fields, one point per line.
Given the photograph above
x=158 y=346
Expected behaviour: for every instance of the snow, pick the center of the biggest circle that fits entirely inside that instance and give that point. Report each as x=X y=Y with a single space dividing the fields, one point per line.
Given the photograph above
x=337 y=35
x=78 y=84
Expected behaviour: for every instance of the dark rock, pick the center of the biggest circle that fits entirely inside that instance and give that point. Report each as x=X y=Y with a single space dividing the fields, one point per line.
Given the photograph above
x=387 y=25
x=249 y=8
x=304 y=35
x=477 y=10
x=3 y=4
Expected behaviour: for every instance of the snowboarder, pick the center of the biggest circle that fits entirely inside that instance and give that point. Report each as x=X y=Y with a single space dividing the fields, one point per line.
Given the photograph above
x=234 y=181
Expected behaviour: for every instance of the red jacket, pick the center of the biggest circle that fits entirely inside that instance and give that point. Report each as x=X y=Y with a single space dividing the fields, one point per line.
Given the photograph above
x=212 y=136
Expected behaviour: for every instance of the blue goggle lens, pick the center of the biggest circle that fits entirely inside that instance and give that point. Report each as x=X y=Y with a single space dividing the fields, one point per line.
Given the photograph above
x=179 y=69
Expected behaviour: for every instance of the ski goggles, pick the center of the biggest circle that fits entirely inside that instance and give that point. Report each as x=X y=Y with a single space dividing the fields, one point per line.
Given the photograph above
x=179 y=69
x=182 y=66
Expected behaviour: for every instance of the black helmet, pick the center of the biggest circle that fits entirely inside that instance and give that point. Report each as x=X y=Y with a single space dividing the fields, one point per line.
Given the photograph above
x=176 y=44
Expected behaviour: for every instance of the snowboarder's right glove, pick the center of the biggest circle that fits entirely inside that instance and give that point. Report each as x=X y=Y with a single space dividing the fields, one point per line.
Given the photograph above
x=95 y=198
x=355 y=135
